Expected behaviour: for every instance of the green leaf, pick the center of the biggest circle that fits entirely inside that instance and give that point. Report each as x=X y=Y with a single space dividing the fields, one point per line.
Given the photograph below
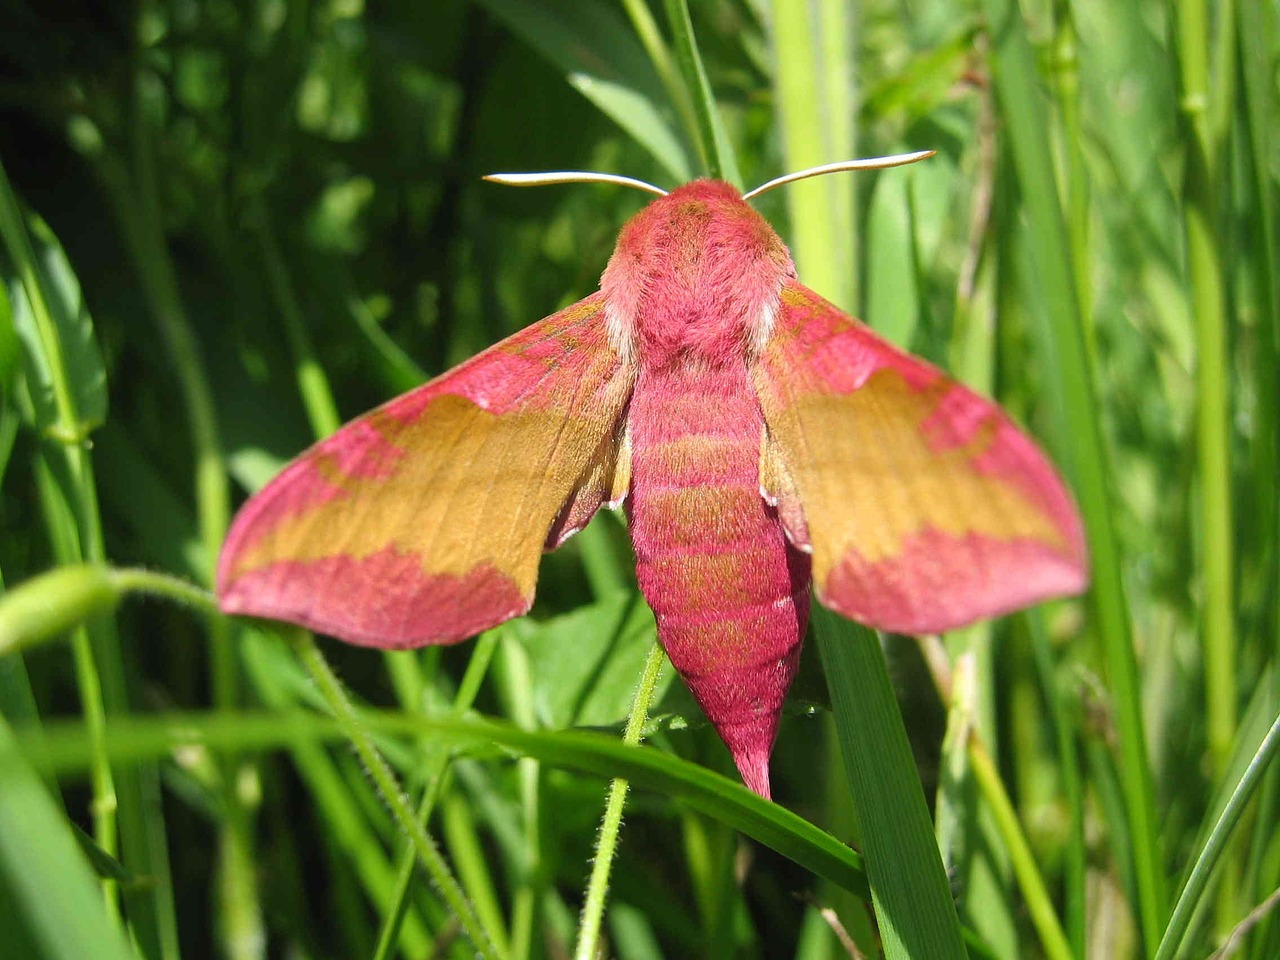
x=10 y=345
x=892 y=295
x=585 y=663
x=43 y=873
x=104 y=864
x=717 y=151
x=602 y=60
x=1069 y=386
x=81 y=358
x=813 y=84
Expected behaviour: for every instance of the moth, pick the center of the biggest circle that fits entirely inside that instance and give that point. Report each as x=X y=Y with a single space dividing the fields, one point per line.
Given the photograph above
x=762 y=442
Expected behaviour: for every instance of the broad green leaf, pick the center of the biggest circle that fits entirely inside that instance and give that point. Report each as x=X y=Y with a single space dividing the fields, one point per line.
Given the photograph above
x=892 y=297
x=813 y=84
x=585 y=664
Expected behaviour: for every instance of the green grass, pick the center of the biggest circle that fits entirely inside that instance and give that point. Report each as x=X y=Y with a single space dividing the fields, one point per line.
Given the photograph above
x=225 y=228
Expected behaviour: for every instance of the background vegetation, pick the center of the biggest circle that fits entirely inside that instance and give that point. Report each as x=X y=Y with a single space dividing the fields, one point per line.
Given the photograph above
x=229 y=225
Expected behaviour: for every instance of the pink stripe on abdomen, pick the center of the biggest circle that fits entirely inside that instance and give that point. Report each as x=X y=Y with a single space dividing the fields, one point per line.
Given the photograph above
x=730 y=594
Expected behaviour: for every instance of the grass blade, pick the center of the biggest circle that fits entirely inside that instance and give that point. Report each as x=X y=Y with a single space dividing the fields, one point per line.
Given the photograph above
x=1069 y=382
x=45 y=873
x=1189 y=898
x=62 y=748
x=602 y=61
x=908 y=883
x=717 y=151
x=813 y=83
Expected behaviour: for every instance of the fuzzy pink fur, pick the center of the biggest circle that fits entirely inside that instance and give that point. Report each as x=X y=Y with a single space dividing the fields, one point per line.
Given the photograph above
x=693 y=275
x=730 y=594
x=695 y=282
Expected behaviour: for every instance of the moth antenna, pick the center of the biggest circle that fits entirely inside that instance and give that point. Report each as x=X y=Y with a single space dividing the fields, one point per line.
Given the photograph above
x=571 y=176
x=870 y=163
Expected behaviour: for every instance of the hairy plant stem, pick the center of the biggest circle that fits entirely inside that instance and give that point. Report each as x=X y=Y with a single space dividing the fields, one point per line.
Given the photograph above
x=389 y=787
x=477 y=667
x=607 y=840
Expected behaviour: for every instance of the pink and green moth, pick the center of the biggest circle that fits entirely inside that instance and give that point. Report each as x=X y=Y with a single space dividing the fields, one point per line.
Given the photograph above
x=762 y=442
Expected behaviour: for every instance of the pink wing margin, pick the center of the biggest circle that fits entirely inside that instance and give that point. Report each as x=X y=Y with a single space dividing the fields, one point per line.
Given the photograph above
x=924 y=506
x=424 y=520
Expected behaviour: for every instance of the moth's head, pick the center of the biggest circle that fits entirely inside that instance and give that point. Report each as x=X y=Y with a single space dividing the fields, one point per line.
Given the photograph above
x=697 y=269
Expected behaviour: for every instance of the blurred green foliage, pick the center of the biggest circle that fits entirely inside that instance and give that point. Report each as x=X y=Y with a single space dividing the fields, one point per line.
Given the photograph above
x=246 y=220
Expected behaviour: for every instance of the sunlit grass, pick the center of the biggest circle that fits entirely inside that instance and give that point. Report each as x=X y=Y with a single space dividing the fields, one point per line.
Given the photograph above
x=259 y=224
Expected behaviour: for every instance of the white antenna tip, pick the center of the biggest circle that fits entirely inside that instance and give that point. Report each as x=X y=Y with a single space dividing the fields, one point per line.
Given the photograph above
x=571 y=176
x=870 y=163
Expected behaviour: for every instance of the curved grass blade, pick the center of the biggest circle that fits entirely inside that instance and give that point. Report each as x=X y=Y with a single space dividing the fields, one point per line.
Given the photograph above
x=1255 y=722
x=1189 y=898
x=63 y=748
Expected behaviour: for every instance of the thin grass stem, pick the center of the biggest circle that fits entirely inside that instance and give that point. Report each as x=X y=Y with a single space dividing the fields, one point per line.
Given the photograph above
x=313 y=384
x=1072 y=398
x=713 y=142
x=813 y=83
x=76 y=530
x=646 y=28
x=135 y=193
x=1035 y=894
x=1063 y=726
x=1213 y=396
